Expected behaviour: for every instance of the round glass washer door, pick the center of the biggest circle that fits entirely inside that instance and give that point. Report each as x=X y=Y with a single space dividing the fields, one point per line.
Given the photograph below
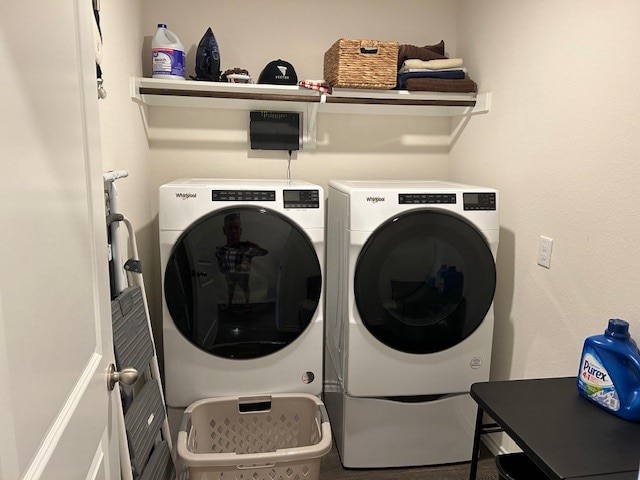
x=424 y=281
x=242 y=282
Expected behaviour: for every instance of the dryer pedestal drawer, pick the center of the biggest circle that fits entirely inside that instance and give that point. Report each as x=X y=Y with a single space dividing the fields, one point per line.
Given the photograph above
x=379 y=433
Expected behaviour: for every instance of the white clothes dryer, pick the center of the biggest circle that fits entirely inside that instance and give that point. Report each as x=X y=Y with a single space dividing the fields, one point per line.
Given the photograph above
x=241 y=266
x=409 y=319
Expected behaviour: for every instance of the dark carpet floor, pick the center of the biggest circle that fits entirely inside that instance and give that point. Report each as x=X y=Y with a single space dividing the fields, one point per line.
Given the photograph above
x=332 y=469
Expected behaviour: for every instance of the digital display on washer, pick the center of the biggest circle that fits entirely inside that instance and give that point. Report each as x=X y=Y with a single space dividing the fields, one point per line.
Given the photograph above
x=479 y=201
x=426 y=198
x=243 y=195
x=301 y=198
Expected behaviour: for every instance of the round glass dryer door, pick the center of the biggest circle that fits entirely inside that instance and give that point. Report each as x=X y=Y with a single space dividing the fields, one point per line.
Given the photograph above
x=424 y=281
x=242 y=282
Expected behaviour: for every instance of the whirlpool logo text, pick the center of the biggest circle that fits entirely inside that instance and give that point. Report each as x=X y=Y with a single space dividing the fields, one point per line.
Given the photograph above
x=185 y=196
x=375 y=199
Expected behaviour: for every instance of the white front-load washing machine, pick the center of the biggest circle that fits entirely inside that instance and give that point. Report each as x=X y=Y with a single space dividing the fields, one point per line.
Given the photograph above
x=409 y=318
x=241 y=266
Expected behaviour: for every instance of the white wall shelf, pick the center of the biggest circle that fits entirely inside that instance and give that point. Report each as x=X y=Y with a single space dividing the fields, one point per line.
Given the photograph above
x=193 y=94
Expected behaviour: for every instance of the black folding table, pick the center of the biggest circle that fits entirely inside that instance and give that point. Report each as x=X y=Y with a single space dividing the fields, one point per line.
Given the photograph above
x=567 y=436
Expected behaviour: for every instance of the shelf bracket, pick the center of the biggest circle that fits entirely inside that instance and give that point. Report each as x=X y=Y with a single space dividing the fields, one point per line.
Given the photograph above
x=134 y=86
x=483 y=104
x=309 y=126
x=458 y=123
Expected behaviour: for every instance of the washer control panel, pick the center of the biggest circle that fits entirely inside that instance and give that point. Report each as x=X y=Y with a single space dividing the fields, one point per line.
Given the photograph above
x=243 y=195
x=290 y=198
x=301 y=198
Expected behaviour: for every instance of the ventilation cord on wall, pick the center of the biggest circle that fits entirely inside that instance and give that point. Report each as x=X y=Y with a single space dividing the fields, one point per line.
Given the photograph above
x=289 y=167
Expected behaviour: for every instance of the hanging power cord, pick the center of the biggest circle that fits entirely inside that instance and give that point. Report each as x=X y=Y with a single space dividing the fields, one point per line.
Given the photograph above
x=97 y=38
x=289 y=167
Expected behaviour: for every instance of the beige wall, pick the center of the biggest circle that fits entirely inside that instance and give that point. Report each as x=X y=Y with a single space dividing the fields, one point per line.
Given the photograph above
x=561 y=144
x=124 y=143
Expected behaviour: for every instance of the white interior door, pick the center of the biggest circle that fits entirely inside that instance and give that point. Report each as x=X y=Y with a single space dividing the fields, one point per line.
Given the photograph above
x=56 y=415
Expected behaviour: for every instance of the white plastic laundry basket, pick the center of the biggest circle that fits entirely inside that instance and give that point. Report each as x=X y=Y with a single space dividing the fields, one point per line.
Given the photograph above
x=267 y=437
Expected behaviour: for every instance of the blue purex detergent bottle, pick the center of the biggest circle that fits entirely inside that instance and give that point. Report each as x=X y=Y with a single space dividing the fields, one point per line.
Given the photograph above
x=609 y=373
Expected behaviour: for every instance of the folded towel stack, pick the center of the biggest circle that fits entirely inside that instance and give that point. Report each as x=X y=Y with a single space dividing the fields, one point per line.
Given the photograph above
x=319 y=85
x=429 y=69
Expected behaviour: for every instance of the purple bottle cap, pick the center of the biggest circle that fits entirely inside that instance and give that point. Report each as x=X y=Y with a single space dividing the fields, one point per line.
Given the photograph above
x=617 y=328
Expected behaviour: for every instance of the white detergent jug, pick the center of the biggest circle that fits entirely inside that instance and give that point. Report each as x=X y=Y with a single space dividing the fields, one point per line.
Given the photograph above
x=167 y=55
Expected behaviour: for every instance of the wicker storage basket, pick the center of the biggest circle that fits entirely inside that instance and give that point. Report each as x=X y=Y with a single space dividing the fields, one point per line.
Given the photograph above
x=361 y=64
x=271 y=437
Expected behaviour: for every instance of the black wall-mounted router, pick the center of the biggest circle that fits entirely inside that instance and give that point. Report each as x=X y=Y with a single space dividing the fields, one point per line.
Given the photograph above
x=274 y=130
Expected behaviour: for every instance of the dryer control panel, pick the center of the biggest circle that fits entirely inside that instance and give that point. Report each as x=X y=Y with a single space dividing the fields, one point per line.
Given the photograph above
x=479 y=201
x=426 y=198
x=471 y=201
